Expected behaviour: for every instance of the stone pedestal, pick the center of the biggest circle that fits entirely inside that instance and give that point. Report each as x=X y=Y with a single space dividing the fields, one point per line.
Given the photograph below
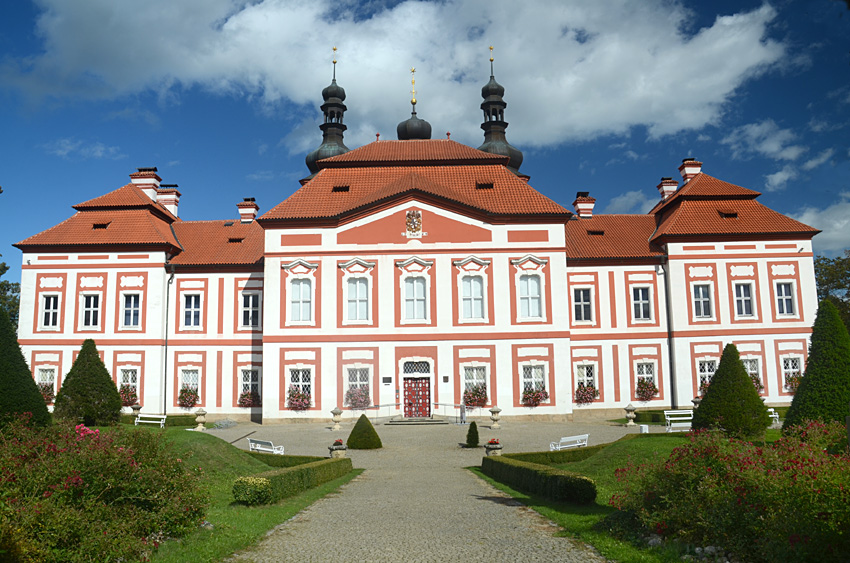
x=493 y=449
x=337 y=451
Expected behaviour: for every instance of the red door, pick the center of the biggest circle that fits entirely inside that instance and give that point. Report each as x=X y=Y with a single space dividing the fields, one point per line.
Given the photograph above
x=417 y=397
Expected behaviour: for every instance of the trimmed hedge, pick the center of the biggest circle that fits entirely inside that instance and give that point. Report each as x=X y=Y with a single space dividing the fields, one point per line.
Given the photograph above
x=364 y=436
x=566 y=456
x=288 y=481
x=178 y=420
x=274 y=460
x=642 y=417
x=472 y=435
x=534 y=478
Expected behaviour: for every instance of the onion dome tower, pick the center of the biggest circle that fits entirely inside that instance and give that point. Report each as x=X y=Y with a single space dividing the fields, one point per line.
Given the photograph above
x=413 y=128
x=494 y=125
x=332 y=128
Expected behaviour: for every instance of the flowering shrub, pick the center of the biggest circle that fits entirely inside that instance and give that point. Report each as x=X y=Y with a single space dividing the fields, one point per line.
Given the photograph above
x=475 y=396
x=788 y=501
x=586 y=394
x=76 y=494
x=338 y=442
x=128 y=395
x=249 y=399
x=829 y=436
x=46 y=390
x=703 y=387
x=533 y=397
x=757 y=383
x=493 y=442
x=792 y=382
x=297 y=400
x=646 y=389
x=188 y=397
x=358 y=398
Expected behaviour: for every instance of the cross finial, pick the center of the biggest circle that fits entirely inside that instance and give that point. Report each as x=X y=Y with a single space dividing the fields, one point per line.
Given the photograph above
x=377 y=136
x=334 y=63
x=491 y=60
x=413 y=85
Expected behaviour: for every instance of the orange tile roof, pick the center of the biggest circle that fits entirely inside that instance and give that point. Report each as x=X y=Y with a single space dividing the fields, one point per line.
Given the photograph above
x=423 y=152
x=127 y=196
x=219 y=243
x=611 y=236
x=368 y=185
x=704 y=186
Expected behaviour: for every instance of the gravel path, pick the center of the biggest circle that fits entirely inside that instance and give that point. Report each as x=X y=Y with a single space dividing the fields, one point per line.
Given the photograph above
x=416 y=502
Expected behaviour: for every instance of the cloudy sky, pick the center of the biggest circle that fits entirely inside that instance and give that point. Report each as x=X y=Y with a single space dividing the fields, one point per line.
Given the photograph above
x=608 y=96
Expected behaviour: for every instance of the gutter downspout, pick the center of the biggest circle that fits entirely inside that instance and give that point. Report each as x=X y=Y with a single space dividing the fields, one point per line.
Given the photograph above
x=165 y=366
x=674 y=401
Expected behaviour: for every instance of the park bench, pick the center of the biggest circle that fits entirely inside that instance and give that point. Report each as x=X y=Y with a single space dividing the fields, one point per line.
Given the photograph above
x=569 y=442
x=678 y=421
x=151 y=419
x=771 y=412
x=264 y=446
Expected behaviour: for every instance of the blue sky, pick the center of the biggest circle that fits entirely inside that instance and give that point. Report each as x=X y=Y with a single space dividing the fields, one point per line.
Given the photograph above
x=607 y=97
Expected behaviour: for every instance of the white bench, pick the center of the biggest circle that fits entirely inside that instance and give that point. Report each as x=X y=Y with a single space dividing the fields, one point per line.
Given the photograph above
x=678 y=421
x=151 y=419
x=569 y=442
x=771 y=412
x=264 y=446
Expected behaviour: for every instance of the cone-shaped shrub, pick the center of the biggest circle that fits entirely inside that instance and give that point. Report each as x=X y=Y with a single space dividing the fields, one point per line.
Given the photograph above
x=363 y=436
x=18 y=392
x=824 y=391
x=88 y=391
x=732 y=403
x=472 y=435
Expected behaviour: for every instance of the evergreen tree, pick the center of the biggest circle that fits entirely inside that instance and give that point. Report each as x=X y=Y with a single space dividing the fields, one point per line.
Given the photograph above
x=472 y=435
x=824 y=391
x=363 y=436
x=18 y=391
x=732 y=403
x=88 y=391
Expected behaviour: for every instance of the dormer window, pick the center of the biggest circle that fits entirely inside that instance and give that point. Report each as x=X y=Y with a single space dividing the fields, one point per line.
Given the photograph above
x=596 y=233
x=233 y=239
x=484 y=186
x=727 y=214
x=98 y=226
x=341 y=188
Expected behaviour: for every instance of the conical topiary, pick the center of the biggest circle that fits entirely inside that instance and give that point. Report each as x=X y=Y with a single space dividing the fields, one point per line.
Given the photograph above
x=18 y=392
x=88 y=392
x=363 y=436
x=472 y=435
x=824 y=391
x=732 y=403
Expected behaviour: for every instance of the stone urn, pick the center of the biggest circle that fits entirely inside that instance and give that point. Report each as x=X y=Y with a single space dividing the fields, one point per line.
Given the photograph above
x=337 y=449
x=494 y=416
x=630 y=414
x=200 y=418
x=493 y=449
x=336 y=416
x=136 y=408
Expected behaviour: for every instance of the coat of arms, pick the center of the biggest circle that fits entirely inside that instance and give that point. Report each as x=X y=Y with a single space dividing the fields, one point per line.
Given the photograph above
x=414 y=224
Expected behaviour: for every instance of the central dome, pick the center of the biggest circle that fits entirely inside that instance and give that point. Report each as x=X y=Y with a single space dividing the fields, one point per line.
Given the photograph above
x=413 y=128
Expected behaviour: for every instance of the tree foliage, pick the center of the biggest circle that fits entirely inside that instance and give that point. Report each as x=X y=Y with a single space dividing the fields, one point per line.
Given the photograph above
x=824 y=392
x=88 y=391
x=18 y=392
x=363 y=436
x=472 y=435
x=731 y=402
x=833 y=280
x=10 y=294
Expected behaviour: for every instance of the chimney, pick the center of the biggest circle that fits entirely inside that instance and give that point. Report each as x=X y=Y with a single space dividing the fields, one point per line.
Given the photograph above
x=247 y=210
x=147 y=180
x=584 y=205
x=168 y=196
x=667 y=187
x=690 y=167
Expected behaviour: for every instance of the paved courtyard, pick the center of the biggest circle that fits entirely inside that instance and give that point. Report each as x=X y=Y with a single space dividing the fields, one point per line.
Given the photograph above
x=415 y=501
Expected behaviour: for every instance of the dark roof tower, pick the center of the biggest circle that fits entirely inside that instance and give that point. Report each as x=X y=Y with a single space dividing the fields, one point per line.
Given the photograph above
x=413 y=128
x=494 y=125
x=332 y=128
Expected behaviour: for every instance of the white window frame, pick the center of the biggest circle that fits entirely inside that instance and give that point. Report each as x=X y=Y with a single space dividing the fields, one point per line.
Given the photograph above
x=472 y=299
x=640 y=371
x=478 y=367
x=581 y=377
x=40 y=373
x=789 y=300
x=742 y=300
x=530 y=265
x=360 y=368
x=534 y=365
x=55 y=313
x=530 y=298
x=702 y=299
x=703 y=375
x=406 y=298
x=301 y=270
x=255 y=313
x=124 y=309
x=301 y=368
x=122 y=373
x=355 y=282
x=644 y=305
x=786 y=371
x=585 y=305
x=747 y=361
x=185 y=309
x=254 y=381
x=297 y=300
x=184 y=370
x=86 y=310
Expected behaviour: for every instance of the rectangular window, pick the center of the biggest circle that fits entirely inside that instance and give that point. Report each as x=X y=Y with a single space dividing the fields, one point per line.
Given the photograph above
x=414 y=298
x=132 y=309
x=301 y=379
x=192 y=310
x=529 y=296
x=784 y=299
x=791 y=369
x=585 y=375
x=744 y=299
x=582 y=305
x=640 y=303
x=91 y=311
x=358 y=299
x=250 y=381
x=250 y=310
x=533 y=378
x=702 y=301
x=645 y=370
x=474 y=376
x=301 y=301
x=751 y=366
x=358 y=378
x=50 y=311
x=472 y=298
x=47 y=375
x=190 y=377
x=706 y=371
x=130 y=377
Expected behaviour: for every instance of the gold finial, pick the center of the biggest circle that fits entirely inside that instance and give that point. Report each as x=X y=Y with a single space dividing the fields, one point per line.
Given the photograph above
x=413 y=85
x=334 y=63
x=491 y=60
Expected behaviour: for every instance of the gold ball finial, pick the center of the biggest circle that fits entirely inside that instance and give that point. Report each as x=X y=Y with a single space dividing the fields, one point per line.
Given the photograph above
x=334 y=55
x=491 y=53
x=413 y=85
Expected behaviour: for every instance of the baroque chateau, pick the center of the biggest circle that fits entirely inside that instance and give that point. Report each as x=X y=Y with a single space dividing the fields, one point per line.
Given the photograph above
x=412 y=270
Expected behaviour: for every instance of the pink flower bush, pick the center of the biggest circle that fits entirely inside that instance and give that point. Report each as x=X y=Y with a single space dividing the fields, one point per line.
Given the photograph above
x=358 y=398
x=297 y=400
x=646 y=389
x=533 y=397
x=249 y=399
x=475 y=396
x=128 y=395
x=46 y=390
x=585 y=394
x=188 y=397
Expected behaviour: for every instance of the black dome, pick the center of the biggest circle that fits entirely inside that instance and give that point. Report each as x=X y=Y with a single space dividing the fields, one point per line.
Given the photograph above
x=492 y=88
x=413 y=128
x=334 y=90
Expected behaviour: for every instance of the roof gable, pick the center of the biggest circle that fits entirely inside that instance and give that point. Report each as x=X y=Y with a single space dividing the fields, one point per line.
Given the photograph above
x=611 y=237
x=128 y=196
x=420 y=152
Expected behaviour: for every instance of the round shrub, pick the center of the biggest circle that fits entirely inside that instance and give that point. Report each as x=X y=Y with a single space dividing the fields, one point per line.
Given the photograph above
x=472 y=435
x=363 y=436
x=18 y=391
x=252 y=490
x=88 y=392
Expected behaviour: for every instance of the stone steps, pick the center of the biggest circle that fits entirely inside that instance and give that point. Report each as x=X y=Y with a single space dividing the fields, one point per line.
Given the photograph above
x=416 y=421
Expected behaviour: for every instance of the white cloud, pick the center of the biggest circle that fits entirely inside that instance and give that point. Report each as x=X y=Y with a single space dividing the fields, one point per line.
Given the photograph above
x=765 y=139
x=631 y=202
x=779 y=180
x=71 y=149
x=818 y=160
x=834 y=221
x=614 y=65
x=261 y=176
x=703 y=137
